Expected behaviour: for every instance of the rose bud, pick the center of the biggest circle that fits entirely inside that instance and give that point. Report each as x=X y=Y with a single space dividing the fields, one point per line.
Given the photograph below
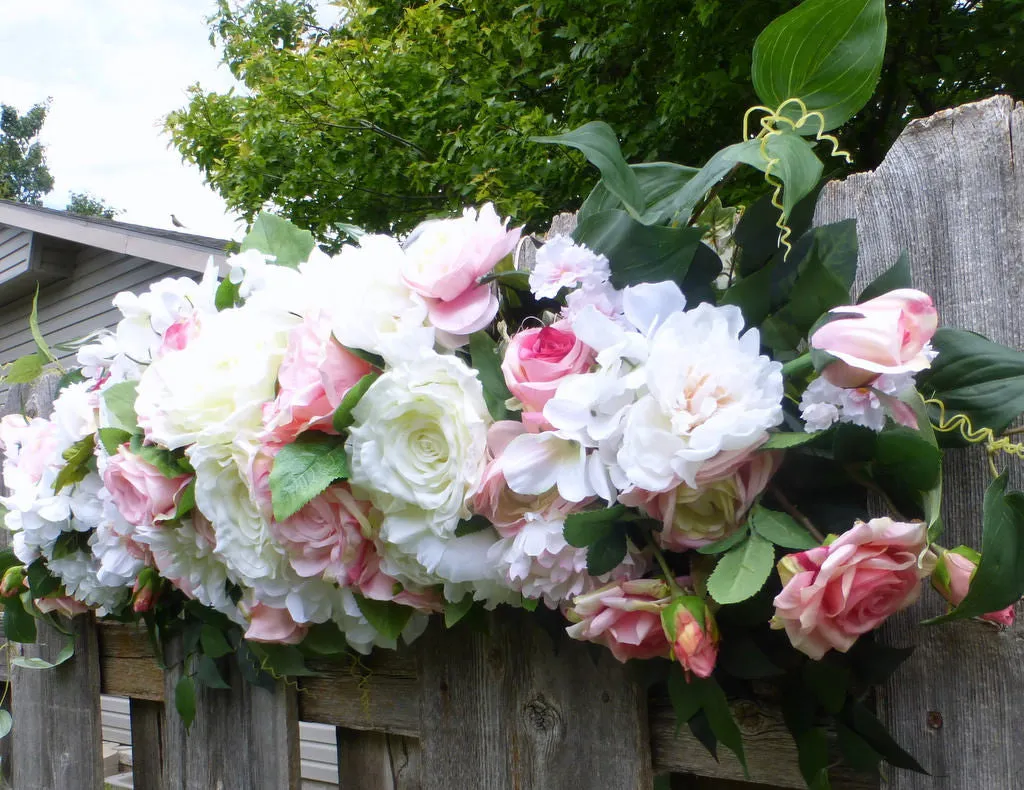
x=145 y=591
x=692 y=634
x=13 y=582
x=952 y=580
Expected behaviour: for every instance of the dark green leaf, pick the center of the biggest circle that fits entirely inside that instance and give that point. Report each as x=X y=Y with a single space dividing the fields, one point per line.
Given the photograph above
x=120 y=402
x=214 y=643
x=325 y=639
x=388 y=617
x=483 y=352
x=717 y=167
x=741 y=657
x=303 y=470
x=742 y=571
x=455 y=611
x=185 y=700
x=605 y=553
x=907 y=455
x=24 y=369
x=582 y=529
x=829 y=681
x=783 y=440
x=683 y=695
x=208 y=674
x=999 y=580
x=343 y=414
x=273 y=235
x=781 y=529
x=470 y=525
x=41 y=581
x=78 y=457
x=69 y=543
x=812 y=757
x=875 y=662
x=827 y=53
x=898 y=276
x=853 y=443
x=186 y=501
x=857 y=753
x=862 y=721
x=19 y=625
x=723 y=725
x=726 y=543
x=113 y=438
x=700 y=728
x=659 y=184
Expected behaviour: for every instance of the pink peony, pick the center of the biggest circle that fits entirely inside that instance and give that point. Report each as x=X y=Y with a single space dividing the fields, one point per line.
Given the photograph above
x=313 y=378
x=268 y=624
x=952 y=580
x=141 y=493
x=65 y=605
x=833 y=594
x=443 y=261
x=29 y=446
x=536 y=360
x=625 y=617
x=693 y=634
x=887 y=334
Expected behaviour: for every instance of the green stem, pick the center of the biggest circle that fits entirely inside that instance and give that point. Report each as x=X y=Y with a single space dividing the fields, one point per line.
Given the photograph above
x=800 y=365
x=669 y=576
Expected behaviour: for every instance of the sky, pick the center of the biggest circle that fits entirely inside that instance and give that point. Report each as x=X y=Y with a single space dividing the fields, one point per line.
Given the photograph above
x=113 y=69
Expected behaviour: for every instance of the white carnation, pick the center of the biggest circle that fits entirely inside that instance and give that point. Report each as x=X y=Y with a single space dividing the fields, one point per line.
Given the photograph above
x=561 y=263
x=823 y=404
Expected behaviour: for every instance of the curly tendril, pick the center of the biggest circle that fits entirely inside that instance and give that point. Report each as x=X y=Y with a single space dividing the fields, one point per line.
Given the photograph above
x=961 y=423
x=769 y=128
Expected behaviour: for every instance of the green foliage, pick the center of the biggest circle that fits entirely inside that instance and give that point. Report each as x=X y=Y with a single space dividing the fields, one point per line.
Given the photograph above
x=742 y=570
x=691 y=696
x=24 y=369
x=603 y=533
x=303 y=469
x=343 y=414
x=120 y=402
x=185 y=700
x=486 y=359
x=87 y=205
x=388 y=617
x=24 y=176
x=275 y=236
x=780 y=529
x=19 y=624
x=79 y=460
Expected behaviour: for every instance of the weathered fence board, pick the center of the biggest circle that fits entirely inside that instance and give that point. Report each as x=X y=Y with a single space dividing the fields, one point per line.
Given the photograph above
x=148 y=745
x=377 y=761
x=950 y=193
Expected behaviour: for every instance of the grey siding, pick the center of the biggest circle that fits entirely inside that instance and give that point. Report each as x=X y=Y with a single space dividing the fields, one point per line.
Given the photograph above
x=15 y=252
x=81 y=303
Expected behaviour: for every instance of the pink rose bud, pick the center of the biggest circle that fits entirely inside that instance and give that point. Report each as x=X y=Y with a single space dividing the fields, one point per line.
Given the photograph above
x=835 y=593
x=145 y=591
x=952 y=580
x=13 y=582
x=269 y=624
x=887 y=334
x=692 y=633
x=625 y=617
x=536 y=361
x=140 y=491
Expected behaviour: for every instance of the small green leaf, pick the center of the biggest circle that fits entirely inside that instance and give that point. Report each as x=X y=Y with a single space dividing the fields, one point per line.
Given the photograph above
x=164 y=461
x=723 y=725
x=33 y=662
x=24 y=369
x=19 y=625
x=273 y=235
x=829 y=682
x=857 y=752
x=186 y=500
x=741 y=657
x=325 y=639
x=112 y=438
x=863 y=722
x=388 y=617
x=208 y=674
x=812 y=757
x=784 y=441
x=726 y=543
x=78 y=457
x=214 y=643
x=228 y=295
x=582 y=529
x=303 y=470
x=37 y=336
x=781 y=529
x=456 y=610
x=898 y=276
x=742 y=571
x=483 y=353
x=120 y=402
x=343 y=414
x=185 y=700
x=468 y=526
x=607 y=552
x=41 y=581
x=684 y=696
x=280 y=661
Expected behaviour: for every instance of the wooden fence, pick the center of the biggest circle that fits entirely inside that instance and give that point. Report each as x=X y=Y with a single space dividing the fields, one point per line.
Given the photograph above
x=517 y=710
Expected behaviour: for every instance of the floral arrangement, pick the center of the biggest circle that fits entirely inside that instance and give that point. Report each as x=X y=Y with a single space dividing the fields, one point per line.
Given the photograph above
x=665 y=432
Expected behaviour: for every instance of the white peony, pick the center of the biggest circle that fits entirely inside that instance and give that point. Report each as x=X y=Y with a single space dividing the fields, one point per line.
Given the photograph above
x=561 y=263
x=824 y=404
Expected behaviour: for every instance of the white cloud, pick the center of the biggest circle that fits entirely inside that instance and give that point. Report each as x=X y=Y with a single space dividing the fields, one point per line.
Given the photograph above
x=114 y=69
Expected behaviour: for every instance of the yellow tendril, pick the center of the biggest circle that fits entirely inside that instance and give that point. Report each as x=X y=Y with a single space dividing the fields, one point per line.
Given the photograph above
x=770 y=127
x=961 y=423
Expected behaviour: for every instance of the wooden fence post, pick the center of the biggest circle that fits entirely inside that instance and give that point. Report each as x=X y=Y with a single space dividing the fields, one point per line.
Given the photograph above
x=56 y=739
x=951 y=193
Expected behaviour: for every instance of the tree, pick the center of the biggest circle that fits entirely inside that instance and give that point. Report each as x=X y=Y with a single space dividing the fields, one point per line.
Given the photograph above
x=23 y=173
x=87 y=205
x=408 y=109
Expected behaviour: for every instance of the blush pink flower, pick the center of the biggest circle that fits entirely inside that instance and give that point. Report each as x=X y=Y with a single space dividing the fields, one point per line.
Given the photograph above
x=269 y=624
x=625 y=617
x=952 y=580
x=536 y=360
x=443 y=261
x=179 y=334
x=887 y=334
x=64 y=605
x=28 y=446
x=373 y=583
x=834 y=594
x=314 y=376
x=693 y=634
x=141 y=493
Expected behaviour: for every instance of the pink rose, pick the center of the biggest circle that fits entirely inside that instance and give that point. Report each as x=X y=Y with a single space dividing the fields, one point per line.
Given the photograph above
x=833 y=594
x=498 y=503
x=693 y=634
x=268 y=624
x=625 y=617
x=375 y=584
x=888 y=334
x=952 y=579
x=536 y=360
x=313 y=378
x=445 y=258
x=28 y=446
x=65 y=605
x=141 y=493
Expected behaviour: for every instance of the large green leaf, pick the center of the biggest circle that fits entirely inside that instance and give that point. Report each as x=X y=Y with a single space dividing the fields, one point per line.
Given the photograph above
x=718 y=166
x=781 y=529
x=303 y=470
x=24 y=369
x=999 y=580
x=971 y=374
x=908 y=456
x=896 y=276
x=659 y=182
x=827 y=53
x=597 y=141
x=742 y=571
x=639 y=253
x=715 y=705
x=274 y=235
x=796 y=165
x=120 y=401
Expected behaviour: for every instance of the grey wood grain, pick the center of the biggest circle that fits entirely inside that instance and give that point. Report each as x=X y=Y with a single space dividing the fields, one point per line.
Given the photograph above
x=950 y=193
x=377 y=761
x=147 y=745
x=514 y=710
x=243 y=738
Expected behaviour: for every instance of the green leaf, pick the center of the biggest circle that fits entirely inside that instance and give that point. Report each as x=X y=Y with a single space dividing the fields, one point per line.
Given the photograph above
x=483 y=353
x=999 y=579
x=24 y=369
x=388 y=617
x=605 y=553
x=6 y=722
x=783 y=440
x=898 y=276
x=186 y=501
x=812 y=757
x=214 y=643
x=683 y=695
x=280 y=661
x=827 y=53
x=37 y=336
x=208 y=674
x=185 y=700
x=723 y=545
x=78 y=457
x=33 y=662
x=325 y=639
x=598 y=143
x=582 y=529
x=795 y=164
x=723 y=725
x=468 y=526
x=303 y=470
x=273 y=235
x=455 y=611
x=19 y=625
x=112 y=438
x=781 y=529
x=909 y=457
x=41 y=581
x=742 y=571
x=343 y=414
x=228 y=295
x=863 y=722
x=971 y=374
x=164 y=461
x=857 y=753
x=829 y=681
x=741 y=657
x=120 y=402
x=716 y=168
x=660 y=183
x=639 y=253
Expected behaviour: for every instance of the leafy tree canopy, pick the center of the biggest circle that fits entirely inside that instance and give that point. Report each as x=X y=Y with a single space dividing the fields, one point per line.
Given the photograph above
x=87 y=205
x=410 y=109
x=23 y=173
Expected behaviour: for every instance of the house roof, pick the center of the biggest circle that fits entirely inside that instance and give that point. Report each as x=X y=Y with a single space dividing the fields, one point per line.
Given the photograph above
x=184 y=250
